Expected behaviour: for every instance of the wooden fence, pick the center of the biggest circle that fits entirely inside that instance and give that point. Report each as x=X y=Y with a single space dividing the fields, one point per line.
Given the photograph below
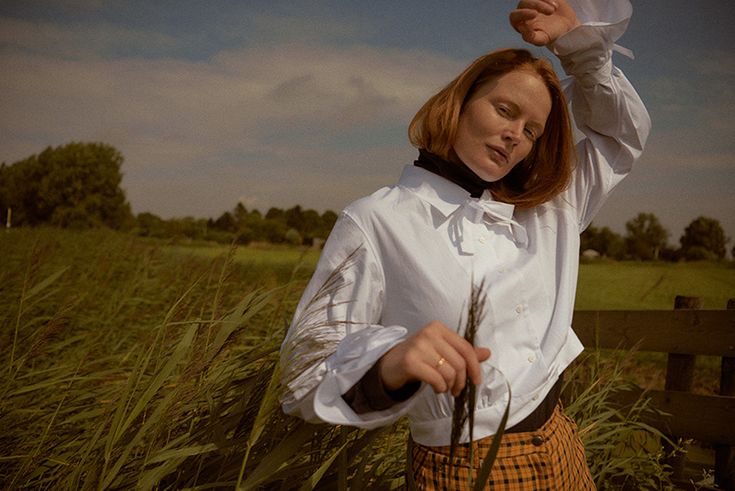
x=683 y=333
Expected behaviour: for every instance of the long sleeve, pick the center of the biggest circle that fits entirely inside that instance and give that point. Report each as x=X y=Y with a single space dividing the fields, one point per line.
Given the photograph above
x=336 y=336
x=606 y=108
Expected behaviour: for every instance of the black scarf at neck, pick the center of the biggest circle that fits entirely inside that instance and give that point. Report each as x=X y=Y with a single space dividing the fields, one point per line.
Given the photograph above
x=458 y=173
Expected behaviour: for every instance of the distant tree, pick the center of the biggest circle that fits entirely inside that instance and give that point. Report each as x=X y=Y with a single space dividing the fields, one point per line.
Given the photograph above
x=645 y=237
x=75 y=185
x=226 y=222
x=311 y=224
x=150 y=225
x=329 y=218
x=251 y=225
x=4 y=193
x=275 y=214
x=240 y=214
x=327 y=221
x=604 y=241
x=272 y=231
x=702 y=239
x=19 y=187
x=186 y=227
x=294 y=217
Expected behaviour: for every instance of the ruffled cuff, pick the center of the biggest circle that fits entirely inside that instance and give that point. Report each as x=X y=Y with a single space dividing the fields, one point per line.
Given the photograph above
x=369 y=394
x=356 y=354
x=585 y=52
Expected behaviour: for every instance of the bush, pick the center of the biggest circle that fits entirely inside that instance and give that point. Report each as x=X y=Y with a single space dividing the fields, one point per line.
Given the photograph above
x=699 y=253
x=293 y=237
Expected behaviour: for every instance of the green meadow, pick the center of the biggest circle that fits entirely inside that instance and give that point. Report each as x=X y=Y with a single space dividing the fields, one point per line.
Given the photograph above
x=653 y=285
x=130 y=363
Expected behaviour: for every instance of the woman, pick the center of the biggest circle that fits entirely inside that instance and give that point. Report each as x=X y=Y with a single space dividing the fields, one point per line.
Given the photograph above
x=498 y=197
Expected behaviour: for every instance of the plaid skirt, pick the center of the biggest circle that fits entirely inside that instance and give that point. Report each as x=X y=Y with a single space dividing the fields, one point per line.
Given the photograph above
x=550 y=458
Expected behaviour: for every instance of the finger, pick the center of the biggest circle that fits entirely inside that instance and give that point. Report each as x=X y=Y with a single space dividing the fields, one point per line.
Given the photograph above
x=432 y=376
x=482 y=354
x=455 y=379
x=454 y=372
x=469 y=357
x=536 y=37
x=454 y=367
x=520 y=17
x=544 y=6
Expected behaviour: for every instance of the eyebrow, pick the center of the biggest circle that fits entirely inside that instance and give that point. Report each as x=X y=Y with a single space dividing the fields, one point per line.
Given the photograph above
x=540 y=127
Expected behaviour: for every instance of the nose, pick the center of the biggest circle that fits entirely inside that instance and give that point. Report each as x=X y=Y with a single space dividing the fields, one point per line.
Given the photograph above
x=512 y=132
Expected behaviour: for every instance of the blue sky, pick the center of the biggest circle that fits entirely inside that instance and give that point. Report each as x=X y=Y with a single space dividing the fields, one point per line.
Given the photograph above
x=307 y=102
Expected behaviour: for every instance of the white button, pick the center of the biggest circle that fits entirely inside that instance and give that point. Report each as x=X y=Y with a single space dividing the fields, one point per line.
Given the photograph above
x=535 y=398
x=519 y=308
x=531 y=359
x=482 y=240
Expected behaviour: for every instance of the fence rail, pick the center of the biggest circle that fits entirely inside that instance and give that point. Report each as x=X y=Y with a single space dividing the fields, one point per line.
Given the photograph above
x=693 y=332
x=682 y=334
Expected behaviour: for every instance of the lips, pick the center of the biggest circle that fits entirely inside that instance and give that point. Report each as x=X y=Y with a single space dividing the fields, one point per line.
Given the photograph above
x=499 y=153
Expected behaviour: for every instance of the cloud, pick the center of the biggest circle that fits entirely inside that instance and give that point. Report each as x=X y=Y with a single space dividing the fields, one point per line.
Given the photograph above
x=294 y=109
x=303 y=27
x=78 y=41
x=72 y=5
x=717 y=63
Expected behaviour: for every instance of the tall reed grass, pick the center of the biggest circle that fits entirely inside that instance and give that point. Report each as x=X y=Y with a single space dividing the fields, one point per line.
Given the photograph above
x=623 y=452
x=129 y=366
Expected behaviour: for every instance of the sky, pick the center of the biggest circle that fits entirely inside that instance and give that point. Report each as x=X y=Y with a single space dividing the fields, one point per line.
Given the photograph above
x=276 y=103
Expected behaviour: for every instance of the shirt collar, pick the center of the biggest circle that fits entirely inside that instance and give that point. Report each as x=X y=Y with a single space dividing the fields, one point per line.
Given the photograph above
x=444 y=195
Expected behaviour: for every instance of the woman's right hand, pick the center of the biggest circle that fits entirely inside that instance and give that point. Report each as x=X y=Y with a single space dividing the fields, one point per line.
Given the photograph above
x=542 y=22
x=435 y=355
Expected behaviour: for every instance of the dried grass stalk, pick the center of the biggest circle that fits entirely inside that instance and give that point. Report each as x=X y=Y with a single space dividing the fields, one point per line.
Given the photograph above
x=464 y=403
x=314 y=337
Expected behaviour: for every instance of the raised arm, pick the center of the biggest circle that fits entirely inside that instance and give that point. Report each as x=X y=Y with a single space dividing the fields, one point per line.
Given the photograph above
x=606 y=108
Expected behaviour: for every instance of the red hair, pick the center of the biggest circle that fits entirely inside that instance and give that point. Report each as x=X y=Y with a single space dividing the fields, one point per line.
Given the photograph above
x=547 y=169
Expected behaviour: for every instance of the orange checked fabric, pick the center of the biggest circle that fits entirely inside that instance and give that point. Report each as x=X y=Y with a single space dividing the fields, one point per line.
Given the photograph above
x=551 y=458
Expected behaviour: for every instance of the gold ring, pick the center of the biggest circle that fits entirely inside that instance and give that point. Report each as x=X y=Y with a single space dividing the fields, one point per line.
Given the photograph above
x=440 y=362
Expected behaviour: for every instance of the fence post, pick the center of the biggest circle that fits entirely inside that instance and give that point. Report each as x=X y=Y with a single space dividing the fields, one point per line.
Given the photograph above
x=680 y=377
x=724 y=454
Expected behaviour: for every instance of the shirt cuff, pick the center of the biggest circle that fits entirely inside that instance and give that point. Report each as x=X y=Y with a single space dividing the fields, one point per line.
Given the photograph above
x=356 y=354
x=585 y=51
x=369 y=394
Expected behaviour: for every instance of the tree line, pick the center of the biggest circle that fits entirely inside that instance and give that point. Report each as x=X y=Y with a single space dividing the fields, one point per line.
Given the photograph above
x=294 y=226
x=646 y=239
x=78 y=186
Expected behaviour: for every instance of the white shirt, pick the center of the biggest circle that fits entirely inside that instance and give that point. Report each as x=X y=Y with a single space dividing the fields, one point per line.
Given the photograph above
x=408 y=254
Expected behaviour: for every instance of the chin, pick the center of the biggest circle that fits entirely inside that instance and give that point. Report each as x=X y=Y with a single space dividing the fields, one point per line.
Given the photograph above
x=489 y=175
x=488 y=170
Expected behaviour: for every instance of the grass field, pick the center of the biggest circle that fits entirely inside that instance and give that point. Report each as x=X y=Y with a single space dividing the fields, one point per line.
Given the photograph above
x=137 y=364
x=653 y=286
x=602 y=285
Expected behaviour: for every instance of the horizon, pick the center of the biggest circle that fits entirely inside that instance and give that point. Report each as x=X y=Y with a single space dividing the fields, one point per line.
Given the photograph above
x=277 y=104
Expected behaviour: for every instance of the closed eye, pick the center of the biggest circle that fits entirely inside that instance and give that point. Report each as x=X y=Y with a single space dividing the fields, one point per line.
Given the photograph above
x=530 y=134
x=504 y=111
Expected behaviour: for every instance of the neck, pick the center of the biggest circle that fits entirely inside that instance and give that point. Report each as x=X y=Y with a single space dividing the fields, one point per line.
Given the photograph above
x=457 y=172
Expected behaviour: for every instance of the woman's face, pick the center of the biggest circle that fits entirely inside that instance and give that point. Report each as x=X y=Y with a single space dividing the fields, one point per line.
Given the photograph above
x=500 y=123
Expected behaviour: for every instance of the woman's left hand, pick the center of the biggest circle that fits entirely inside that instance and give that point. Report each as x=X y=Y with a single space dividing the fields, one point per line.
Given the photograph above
x=541 y=22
